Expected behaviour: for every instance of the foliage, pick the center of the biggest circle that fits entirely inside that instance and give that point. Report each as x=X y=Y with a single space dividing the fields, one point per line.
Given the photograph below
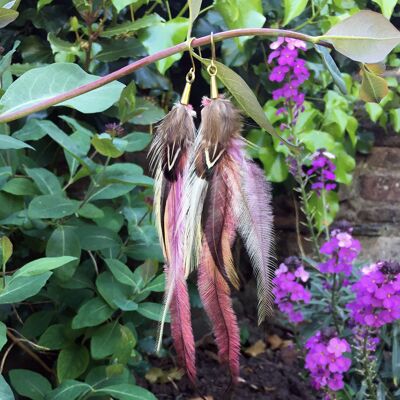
x=81 y=277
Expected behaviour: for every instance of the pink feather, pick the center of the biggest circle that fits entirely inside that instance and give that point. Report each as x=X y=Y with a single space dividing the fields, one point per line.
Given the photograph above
x=215 y=295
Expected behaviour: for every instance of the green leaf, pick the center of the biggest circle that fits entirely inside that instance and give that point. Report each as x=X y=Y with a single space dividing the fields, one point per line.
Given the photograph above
x=332 y=67
x=113 y=50
x=41 y=84
x=127 y=392
x=366 y=37
x=374 y=111
x=7 y=16
x=8 y=142
x=245 y=97
x=128 y=27
x=5 y=390
x=114 y=293
x=387 y=7
x=34 y=129
x=52 y=206
x=43 y=3
x=20 y=187
x=293 y=8
x=241 y=14
x=127 y=103
x=194 y=11
x=315 y=140
x=29 y=384
x=69 y=390
x=21 y=288
x=274 y=164
x=105 y=340
x=91 y=211
x=54 y=337
x=108 y=146
x=137 y=141
x=162 y=35
x=64 y=242
x=96 y=238
x=373 y=87
x=152 y=311
x=3 y=335
x=126 y=173
x=395 y=119
x=42 y=265
x=121 y=4
x=157 y=284
x=72 y=362
x=45 y=180
x=147 y=112
x=125 y=346
x=92 y=313
x=6 y=249
x=121 y=272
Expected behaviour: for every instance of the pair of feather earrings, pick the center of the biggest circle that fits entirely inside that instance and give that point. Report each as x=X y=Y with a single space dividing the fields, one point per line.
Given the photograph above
x=208 y=191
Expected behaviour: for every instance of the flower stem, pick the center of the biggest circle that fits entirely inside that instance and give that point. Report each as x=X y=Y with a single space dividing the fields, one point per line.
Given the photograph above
x=128 y=69
x=335 y=315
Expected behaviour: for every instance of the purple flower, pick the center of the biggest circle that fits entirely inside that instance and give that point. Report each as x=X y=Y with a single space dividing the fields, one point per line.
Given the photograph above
x=278 y=73
x=377 y=300
x=289 y=288
x=322 y=170
x=342 y=250
x=326 y=361
x=290 y=69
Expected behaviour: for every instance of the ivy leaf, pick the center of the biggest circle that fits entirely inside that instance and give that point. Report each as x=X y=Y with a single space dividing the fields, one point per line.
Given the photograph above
x=241 y=14
x=373 y=87
x=7 y=16
x=387 y=7
x=39 y=85
x=331 y=66
x=293 y=8
x=92 y=313
x=152 y=311
x=109 y=146
x=162 y=35
x=52 y=206
x=366 y=37
x=69 y=390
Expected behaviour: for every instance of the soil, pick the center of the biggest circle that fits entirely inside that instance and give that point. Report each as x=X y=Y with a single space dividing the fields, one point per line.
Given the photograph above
x=271 y=375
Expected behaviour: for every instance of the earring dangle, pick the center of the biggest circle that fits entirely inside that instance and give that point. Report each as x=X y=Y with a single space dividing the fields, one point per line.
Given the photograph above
x=228 y=196
x=168 y=159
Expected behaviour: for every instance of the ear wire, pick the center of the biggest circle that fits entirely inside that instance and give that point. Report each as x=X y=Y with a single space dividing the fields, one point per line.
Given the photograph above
x=190 y=76
x=212 y=71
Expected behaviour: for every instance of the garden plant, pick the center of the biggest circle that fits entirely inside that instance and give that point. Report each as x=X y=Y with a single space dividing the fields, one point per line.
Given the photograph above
x=84 y=85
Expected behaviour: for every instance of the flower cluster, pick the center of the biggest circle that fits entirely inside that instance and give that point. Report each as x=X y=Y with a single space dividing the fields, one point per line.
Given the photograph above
x=365 y=336
x=323 y=171
x=290 y=289
x=290 y=69
x=377 y=293
x=343 y=249
x=326 y=361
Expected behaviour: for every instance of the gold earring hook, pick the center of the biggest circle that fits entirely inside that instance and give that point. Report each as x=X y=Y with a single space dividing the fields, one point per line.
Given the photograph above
x=212 y=71
x=190 y=76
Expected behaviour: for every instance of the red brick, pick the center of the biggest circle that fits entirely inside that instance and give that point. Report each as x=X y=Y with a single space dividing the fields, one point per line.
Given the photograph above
x=380 y=188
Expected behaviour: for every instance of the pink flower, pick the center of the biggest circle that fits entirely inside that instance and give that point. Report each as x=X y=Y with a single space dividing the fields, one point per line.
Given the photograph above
x=337 y=346
x=278 y=73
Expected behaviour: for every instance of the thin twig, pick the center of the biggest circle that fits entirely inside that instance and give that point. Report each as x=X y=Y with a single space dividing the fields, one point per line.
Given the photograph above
x=128 y=69
x=28 y=351
x=4 y=358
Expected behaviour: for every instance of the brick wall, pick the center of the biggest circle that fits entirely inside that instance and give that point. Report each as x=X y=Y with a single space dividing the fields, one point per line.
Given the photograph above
x=371 y=204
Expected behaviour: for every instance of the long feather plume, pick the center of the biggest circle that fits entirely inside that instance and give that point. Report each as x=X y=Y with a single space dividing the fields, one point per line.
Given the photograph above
x=168 y=158
x=228 y=195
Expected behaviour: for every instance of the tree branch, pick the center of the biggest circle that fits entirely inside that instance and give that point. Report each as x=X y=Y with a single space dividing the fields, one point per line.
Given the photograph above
x=128 y=69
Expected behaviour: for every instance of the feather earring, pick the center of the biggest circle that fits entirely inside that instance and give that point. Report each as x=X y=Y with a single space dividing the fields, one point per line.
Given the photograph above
x=228 y=196
x=168 y=159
